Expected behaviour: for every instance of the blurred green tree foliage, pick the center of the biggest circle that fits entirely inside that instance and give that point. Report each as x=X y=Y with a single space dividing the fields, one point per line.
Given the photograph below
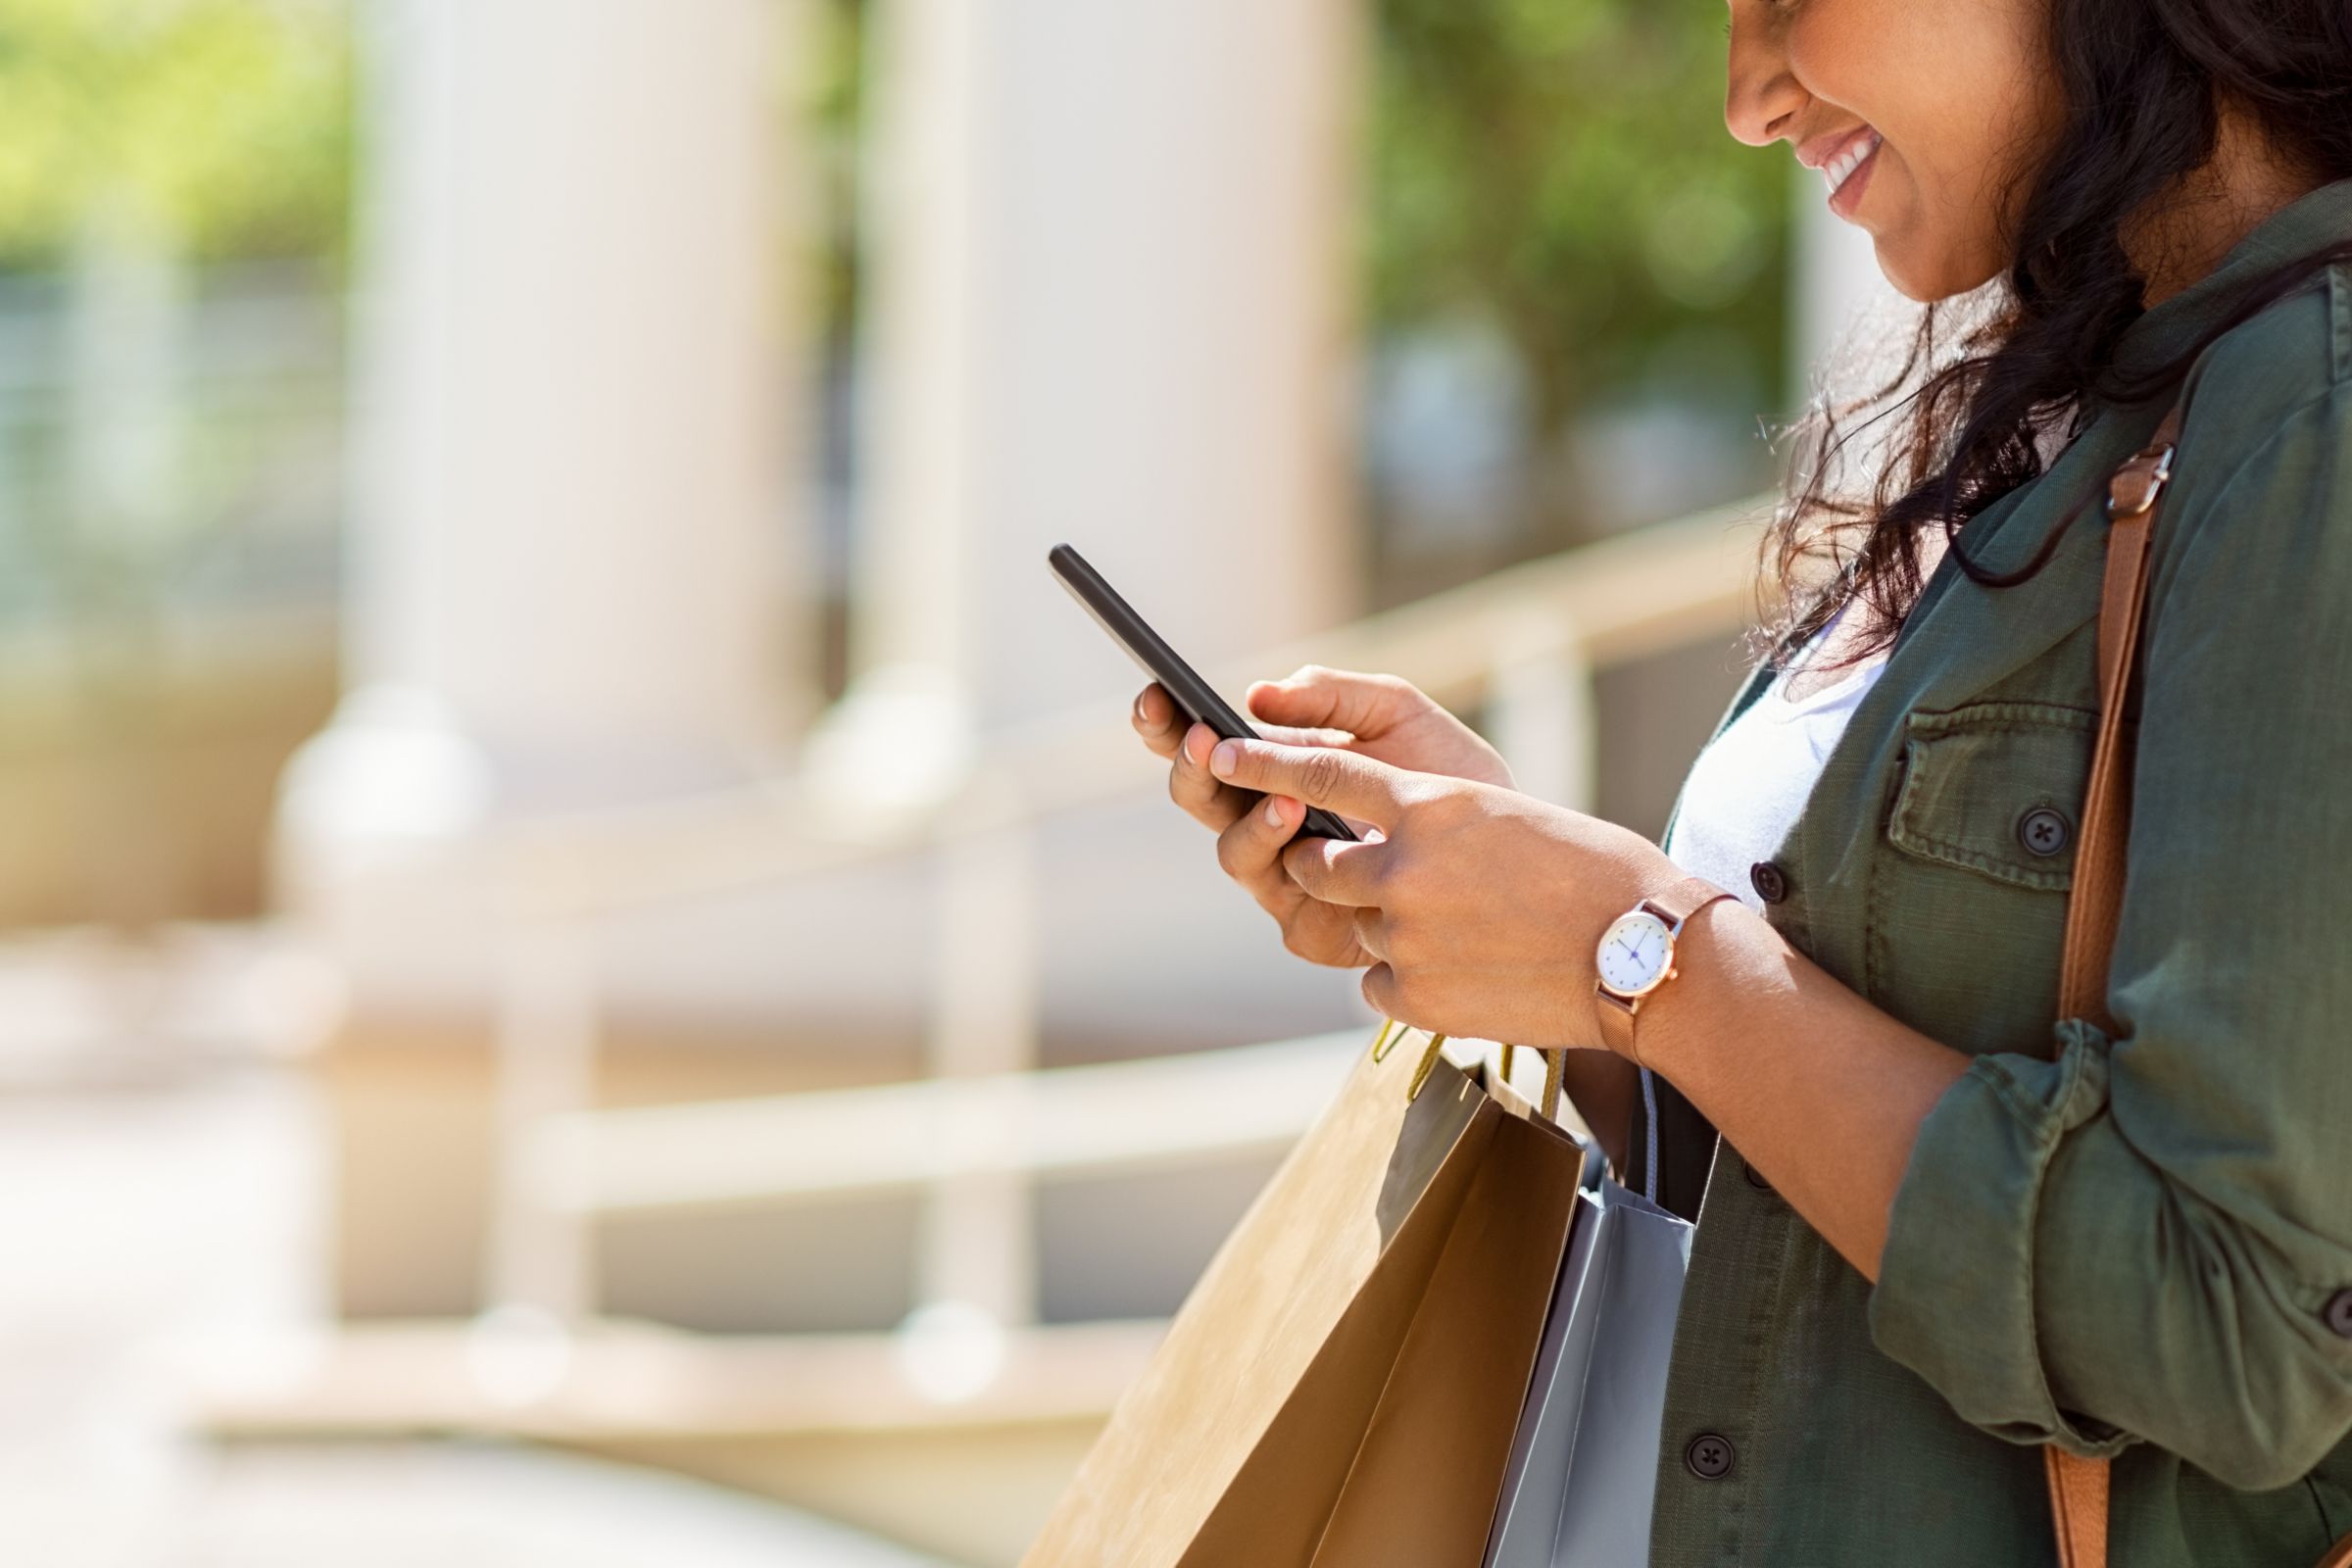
x=225 y=124
x=1562 y=168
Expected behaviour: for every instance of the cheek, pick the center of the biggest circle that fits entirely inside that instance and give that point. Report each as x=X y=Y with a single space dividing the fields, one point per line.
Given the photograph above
x=1957 y=92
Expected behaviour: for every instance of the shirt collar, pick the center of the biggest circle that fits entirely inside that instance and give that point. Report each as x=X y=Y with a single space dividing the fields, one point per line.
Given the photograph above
x=2309 y=222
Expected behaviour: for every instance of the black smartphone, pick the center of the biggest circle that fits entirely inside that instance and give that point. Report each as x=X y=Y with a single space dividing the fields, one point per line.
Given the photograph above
x=1197 y=698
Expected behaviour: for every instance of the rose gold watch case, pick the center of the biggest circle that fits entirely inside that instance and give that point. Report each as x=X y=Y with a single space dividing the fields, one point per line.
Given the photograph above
x=1665 y=971
x=1617 y=1007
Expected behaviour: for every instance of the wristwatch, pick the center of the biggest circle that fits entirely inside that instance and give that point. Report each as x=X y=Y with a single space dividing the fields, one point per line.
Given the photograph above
x=1635 y=955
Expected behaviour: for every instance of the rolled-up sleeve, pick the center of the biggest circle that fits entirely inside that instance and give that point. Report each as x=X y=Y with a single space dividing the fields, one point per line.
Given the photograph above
x=2147 y=1235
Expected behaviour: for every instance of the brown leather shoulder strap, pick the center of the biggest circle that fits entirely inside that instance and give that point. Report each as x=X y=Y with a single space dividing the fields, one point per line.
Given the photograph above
x=2078 y=1487
x=2096 y=903
x=2078 y=1507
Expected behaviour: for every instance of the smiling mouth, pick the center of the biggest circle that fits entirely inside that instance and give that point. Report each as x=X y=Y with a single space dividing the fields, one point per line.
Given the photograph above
x=1838 y=169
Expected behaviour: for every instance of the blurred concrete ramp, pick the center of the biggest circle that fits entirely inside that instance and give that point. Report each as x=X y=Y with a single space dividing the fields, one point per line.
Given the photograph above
x=493 y=1506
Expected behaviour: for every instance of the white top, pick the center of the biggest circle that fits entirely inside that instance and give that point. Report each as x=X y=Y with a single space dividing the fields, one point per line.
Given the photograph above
x=1748 y=785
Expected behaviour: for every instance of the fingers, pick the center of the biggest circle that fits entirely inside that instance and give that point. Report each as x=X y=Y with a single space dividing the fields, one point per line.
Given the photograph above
x=1252 y=831
x=1335 y=871
x=1342 y=781
x=1190 y=785
x=1314 y=696
x=1249 y=851
x=1186 y=743
x=1155 y=720
x=1304 y=735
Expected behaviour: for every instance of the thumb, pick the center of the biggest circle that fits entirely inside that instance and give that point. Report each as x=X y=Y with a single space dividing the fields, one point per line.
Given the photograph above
x=1339 y=699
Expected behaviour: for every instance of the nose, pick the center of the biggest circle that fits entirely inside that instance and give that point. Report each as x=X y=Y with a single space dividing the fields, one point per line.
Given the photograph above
x=1760 y=97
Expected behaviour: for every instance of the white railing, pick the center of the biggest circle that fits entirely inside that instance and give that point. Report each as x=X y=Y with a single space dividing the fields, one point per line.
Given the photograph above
x=1117 y=1117
x=1523 y=643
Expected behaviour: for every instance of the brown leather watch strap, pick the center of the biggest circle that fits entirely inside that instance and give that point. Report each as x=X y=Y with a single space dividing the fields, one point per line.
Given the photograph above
x=1616 y=1014
x=1682 y=900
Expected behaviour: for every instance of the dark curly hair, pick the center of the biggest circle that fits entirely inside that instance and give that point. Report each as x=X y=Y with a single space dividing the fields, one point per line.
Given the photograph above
x=2143 y=83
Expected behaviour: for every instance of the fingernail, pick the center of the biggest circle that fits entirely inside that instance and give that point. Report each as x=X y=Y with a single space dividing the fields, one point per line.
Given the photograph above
x=1274 y=812
x=1225 y=759
x=1193 y=742
x=1138 y=704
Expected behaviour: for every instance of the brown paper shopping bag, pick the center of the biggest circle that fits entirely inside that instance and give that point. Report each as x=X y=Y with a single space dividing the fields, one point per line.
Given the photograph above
x=1342 y=1388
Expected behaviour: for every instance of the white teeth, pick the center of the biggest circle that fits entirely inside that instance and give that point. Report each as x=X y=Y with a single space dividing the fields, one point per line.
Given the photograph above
x=1840 y=167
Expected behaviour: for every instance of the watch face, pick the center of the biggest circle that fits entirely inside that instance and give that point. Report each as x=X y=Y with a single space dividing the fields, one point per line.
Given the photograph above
x=1633 y=953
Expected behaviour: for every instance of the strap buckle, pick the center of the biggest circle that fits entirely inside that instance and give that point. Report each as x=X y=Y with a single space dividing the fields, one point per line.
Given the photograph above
x=2134 y=488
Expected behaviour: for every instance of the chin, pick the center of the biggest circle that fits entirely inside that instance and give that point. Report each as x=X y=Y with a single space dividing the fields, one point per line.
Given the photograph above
x=1930 y=277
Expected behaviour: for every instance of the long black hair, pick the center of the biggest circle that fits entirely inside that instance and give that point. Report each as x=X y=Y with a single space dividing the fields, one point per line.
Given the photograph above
x=2144 y=84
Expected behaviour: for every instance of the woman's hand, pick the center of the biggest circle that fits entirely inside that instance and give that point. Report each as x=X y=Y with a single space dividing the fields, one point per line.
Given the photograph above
x=1477 y=909
x=1380 y=716
x=1385 y=718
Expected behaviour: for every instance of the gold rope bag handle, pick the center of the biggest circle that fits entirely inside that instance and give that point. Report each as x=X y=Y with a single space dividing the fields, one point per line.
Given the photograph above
x=1554 y=1062
x=2078 y=1487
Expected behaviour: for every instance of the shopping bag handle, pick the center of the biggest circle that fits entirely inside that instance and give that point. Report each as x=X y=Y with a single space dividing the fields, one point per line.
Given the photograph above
x=1383 y=1044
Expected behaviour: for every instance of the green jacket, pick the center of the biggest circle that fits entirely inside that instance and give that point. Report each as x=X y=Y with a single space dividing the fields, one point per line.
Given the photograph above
x=2138 y=1245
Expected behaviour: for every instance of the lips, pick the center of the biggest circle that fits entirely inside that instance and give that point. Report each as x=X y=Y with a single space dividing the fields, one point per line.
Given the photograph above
x=1841 y=167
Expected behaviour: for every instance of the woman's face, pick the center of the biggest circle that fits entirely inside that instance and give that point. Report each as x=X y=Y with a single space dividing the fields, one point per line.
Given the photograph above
x=1927 y=109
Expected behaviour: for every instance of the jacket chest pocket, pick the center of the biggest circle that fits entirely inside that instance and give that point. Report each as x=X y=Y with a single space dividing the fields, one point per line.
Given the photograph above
x=1996 y=788
x=1967 y=902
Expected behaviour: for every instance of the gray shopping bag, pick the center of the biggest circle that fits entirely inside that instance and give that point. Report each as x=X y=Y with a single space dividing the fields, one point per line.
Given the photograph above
x=1584 y=1465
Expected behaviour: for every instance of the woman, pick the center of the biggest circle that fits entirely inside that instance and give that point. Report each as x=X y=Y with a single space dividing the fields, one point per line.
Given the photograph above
x=1936 y=1231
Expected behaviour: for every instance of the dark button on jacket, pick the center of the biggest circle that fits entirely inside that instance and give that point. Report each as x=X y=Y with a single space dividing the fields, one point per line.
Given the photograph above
x=1768 y=881
x=1709 y=1456
x=2338 y=1313
x=2043 y=830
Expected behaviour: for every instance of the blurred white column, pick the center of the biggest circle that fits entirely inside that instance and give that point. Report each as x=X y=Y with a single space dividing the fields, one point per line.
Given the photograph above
x=1108 y=303
x=1111 y=304
x=576 y=571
